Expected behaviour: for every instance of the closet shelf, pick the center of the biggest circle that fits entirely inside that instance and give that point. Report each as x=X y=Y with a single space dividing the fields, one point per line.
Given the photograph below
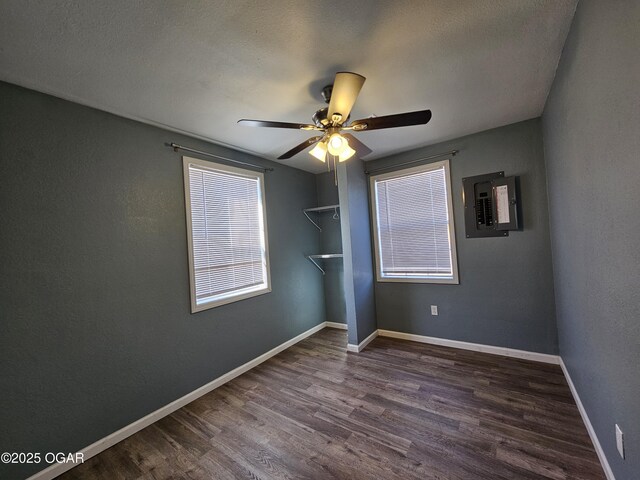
x=313 y=258
x=326 y=208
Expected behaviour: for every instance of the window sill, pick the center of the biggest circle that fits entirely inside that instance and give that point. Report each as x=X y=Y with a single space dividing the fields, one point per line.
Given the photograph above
x=437 y=281
x=195 y=308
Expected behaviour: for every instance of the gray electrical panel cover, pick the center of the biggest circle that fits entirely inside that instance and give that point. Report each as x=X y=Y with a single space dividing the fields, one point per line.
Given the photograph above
x=490 y=205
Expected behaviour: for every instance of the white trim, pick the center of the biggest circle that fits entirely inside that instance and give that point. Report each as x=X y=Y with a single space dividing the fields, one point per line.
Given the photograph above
x=507 y=352
x=454 y=279
x=585 y=418
x=358 y=348
x=476 y=347
x=341 y=326
x=240 y=294
x=101 y=445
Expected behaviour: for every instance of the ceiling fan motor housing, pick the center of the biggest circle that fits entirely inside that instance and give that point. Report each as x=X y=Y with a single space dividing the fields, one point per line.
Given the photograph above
x=321 y=120
x=320 y=117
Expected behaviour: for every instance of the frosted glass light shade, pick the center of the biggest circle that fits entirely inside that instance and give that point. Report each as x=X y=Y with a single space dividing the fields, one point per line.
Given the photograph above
x=347 y=153
x=319 y=151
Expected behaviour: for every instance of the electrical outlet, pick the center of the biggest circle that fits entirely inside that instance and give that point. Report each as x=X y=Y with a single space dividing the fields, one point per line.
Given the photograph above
x=620 y=441
x=434 y=310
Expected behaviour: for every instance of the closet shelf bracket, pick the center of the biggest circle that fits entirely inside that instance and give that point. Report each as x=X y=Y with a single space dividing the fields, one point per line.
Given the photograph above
x=313 y=258
x=327 y=208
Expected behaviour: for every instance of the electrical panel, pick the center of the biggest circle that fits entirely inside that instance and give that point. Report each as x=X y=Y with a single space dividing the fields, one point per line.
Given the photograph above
x=490 y=205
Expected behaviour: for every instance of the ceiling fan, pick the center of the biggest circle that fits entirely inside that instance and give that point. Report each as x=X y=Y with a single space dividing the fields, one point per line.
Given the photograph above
x=333 y=120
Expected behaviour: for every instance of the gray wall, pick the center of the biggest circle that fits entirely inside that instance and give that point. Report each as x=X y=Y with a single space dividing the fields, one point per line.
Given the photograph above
x=94 y=294
x=505 y=297
x=356 y=246
x=592 y=143
x=331 y=242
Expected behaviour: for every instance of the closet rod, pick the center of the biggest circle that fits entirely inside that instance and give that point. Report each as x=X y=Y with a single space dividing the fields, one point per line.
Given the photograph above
x=390 y=167
x=177 y=147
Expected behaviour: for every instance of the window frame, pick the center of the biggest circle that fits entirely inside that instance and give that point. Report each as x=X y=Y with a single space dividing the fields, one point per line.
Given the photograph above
x=219 y=167
x=454 y=279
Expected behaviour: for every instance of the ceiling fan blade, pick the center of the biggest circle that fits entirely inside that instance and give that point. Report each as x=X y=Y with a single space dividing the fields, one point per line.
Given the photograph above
x=391 y=121
x=266 y=123
x=361 y=149
x=299 y=148
x=346 y=88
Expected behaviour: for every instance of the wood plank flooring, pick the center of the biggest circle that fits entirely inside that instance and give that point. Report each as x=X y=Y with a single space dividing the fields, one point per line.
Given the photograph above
x=398 y=410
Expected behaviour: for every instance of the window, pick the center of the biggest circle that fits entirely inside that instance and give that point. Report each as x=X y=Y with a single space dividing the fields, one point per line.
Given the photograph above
x=413 y=225
x=227 y=233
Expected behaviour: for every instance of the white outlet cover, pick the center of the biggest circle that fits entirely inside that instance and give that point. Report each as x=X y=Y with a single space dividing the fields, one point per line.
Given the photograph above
x=434 y=310
x=620 y=441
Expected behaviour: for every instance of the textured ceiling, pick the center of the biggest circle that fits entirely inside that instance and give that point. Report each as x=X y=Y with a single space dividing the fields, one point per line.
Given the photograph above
x=199 y=66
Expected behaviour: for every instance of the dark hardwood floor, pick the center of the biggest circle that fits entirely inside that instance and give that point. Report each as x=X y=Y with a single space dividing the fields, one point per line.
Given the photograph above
x=398 y=410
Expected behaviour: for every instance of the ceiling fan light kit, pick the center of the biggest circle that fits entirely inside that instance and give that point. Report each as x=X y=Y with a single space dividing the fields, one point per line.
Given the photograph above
x=319 y=151
x=336 y=144
x=346 y=154
x=332 y=120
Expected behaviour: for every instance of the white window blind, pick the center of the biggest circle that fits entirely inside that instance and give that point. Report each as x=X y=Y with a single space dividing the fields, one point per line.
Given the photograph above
x=414 y=228
x=228 y=252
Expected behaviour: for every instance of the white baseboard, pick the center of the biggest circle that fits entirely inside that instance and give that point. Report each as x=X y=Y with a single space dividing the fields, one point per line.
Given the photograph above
x=57 y=469
x=341 y=326
x=585 y=418
x=358 y=348
x=101 y=445
x=476 y=347
x=510 y=352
